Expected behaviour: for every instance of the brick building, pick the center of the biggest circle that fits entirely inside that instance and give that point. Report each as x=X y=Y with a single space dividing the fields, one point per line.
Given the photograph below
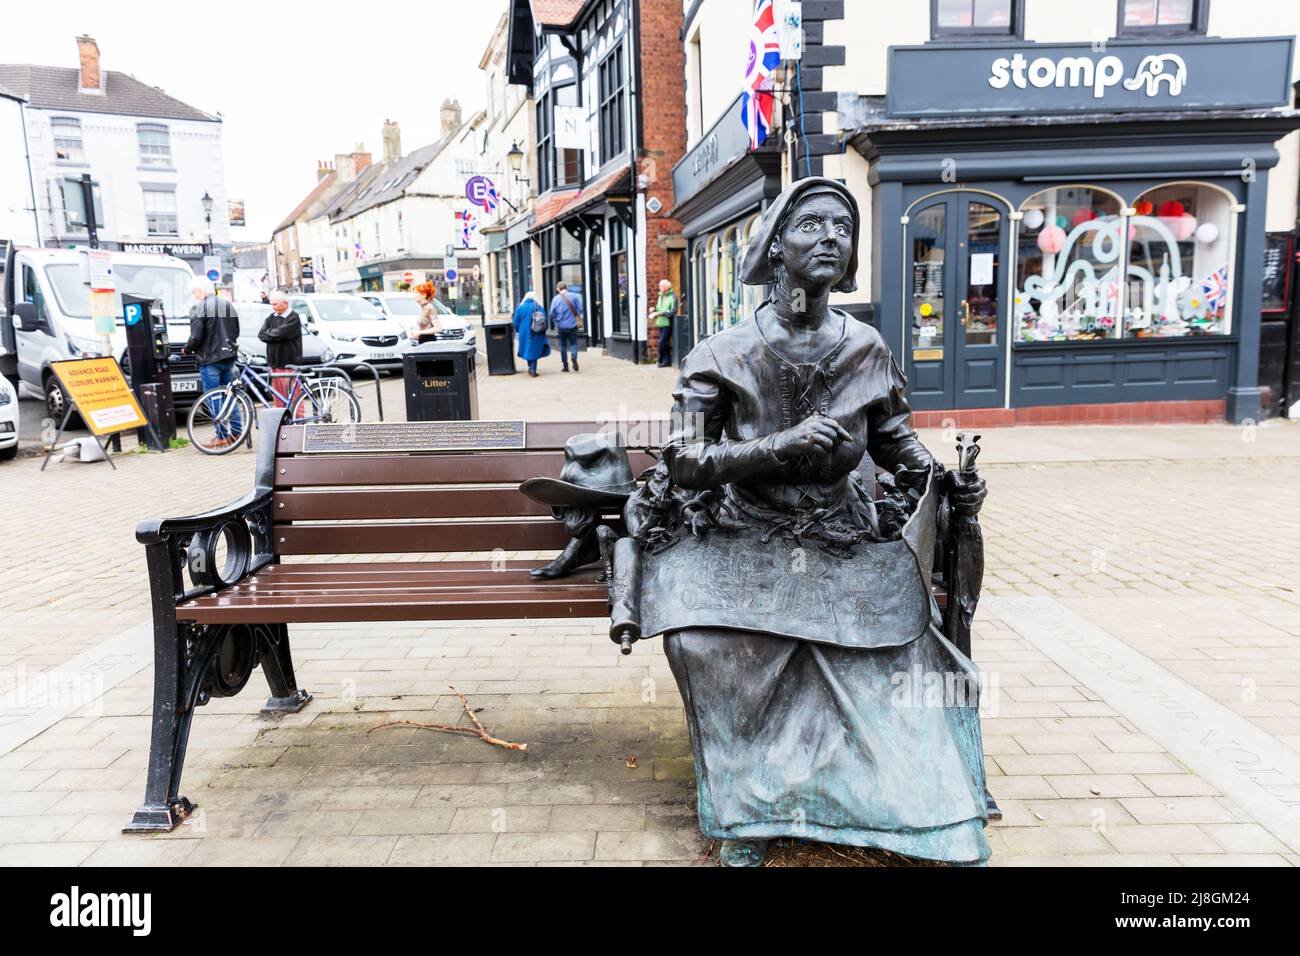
x=605 y=78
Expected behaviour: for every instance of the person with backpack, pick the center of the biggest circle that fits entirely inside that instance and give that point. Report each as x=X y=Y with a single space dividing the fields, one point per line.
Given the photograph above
x=530 y=328
x=214 y=334
x=566 y=313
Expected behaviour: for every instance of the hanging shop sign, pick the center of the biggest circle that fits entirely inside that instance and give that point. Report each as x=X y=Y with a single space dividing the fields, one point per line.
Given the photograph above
x=1117 y=75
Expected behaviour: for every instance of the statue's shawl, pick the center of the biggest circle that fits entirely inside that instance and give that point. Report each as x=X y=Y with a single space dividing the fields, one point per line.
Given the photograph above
x=877 y=596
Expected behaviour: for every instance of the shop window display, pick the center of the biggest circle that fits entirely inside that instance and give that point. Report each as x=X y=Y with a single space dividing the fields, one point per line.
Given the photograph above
x=1178 y=264
x=1172 y=247
x=1068 y=266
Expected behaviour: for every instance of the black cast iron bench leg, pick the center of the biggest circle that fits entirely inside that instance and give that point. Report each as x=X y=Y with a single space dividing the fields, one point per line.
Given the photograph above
x=277 y=664
x=192 y=664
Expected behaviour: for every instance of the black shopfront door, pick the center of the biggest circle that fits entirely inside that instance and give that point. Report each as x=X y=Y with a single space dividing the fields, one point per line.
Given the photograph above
x=955 y=340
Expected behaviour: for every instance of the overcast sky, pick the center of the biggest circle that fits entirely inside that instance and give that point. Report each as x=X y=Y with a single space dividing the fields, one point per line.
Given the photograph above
x=295 y=82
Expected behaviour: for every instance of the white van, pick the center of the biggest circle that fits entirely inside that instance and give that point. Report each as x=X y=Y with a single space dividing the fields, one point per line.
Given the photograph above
x=49 y=315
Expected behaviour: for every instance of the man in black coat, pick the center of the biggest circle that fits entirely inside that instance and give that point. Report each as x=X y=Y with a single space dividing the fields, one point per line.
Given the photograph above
x=282 y=333
x=214 y=334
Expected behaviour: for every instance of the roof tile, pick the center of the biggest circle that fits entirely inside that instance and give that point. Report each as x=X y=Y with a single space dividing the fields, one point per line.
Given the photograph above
x=56 y=88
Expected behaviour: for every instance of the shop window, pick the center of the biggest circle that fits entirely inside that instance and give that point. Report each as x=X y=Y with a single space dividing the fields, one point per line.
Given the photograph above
x=956 y=19
x=1179 y=262
x=1162 y=17
x=731 y=277
x=1068 y=266
x=699 y=294
x=618 y=277
x=67 y=139
x=751 y=296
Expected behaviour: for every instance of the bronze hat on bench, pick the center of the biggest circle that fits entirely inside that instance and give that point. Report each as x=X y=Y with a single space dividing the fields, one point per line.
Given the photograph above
x=596 y=473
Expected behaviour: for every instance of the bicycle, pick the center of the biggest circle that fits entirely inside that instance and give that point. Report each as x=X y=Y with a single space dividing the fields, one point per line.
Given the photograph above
x=222 y=418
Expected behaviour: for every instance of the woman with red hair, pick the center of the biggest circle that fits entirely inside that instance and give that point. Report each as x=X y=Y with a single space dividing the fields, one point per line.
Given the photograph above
x=429 y=327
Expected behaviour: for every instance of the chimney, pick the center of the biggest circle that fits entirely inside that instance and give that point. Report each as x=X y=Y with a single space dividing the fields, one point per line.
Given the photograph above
x=347 y=165
x=92 y=77
x=323 y=168
x=392 y=136
x=450 y=118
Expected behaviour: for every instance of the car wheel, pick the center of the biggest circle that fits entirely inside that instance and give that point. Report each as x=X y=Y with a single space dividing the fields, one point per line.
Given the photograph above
x=57 y=401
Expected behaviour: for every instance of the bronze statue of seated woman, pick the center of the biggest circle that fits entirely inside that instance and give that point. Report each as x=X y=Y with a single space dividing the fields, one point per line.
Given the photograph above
x=793 y=599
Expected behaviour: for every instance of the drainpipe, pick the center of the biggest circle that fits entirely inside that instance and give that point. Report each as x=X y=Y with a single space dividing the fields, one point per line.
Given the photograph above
x=634 y=77
x=31 y=184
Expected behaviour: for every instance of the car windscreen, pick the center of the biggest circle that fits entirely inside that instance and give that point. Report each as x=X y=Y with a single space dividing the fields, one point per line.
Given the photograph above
x=347 y=309
x=402 y=306
x=167 y=283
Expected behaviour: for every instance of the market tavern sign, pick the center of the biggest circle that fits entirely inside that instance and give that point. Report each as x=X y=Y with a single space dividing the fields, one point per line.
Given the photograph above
x=192 y=250
x=1120 y=76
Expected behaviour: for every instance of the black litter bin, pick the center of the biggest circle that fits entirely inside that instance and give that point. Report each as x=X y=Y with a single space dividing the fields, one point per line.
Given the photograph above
x=500 y=347
x=440 y=385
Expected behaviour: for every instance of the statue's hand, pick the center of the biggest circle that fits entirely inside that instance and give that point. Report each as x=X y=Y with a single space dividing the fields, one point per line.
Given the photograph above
x=815 y=435
x=966 y=494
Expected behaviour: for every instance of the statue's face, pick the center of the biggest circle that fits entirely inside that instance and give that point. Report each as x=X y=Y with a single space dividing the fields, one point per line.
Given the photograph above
x=817 y=242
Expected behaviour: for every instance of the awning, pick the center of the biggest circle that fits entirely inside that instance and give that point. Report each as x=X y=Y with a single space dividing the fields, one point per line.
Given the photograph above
x=557 y=206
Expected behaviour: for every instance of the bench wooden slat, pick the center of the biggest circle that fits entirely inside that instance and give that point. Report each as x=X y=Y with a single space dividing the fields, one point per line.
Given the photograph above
x=443 y=469
x=419 y=574
x=392 y=503
x=541 y=535
x=577 y=601
x=538 y=436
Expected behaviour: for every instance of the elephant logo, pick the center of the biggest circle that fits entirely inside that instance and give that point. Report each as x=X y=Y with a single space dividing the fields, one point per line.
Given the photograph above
x=1156 y=69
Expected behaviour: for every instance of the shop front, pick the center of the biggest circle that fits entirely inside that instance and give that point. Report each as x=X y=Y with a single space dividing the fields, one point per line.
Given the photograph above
x=1072 y=234
x=721 y=188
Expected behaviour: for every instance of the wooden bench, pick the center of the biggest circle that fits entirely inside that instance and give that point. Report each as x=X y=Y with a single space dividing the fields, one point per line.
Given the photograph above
x=215 y=621
x=214 y=624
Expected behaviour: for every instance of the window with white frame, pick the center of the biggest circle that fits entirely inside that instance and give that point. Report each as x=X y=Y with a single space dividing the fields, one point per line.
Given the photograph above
x=67 y=139
x=613 y=136
x=160 y=212
x=155 y=144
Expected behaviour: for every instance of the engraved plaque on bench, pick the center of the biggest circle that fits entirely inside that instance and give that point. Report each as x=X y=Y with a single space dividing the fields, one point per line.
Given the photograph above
x=413 y=436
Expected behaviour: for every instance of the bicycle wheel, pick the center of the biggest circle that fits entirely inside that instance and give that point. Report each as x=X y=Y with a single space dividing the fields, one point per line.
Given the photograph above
x=220 y=421
x=328 y=400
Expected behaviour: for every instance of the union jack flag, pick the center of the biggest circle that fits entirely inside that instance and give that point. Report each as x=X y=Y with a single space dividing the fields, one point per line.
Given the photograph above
x=490 y=198
x=356 y=250
x=467 y=225
x=764 y=56
x=1215 y=287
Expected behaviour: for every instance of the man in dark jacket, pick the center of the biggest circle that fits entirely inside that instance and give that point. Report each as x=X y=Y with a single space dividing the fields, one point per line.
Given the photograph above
x=282 y=333
x=214 y=331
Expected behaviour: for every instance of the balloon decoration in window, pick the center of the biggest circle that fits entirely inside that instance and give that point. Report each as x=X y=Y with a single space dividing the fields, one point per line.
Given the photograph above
x=1067 y=270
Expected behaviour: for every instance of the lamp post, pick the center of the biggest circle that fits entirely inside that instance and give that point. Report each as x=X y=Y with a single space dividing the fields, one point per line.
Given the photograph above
x=207 y=215
x=516 y=159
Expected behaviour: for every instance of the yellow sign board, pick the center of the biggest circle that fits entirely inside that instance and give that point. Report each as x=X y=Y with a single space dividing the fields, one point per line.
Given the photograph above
x=100 y=392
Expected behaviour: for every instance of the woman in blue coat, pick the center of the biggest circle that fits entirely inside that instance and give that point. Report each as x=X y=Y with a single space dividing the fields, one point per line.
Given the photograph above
x=532 y=345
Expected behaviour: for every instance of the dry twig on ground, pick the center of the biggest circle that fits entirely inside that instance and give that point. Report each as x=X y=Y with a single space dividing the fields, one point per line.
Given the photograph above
x=478 y=730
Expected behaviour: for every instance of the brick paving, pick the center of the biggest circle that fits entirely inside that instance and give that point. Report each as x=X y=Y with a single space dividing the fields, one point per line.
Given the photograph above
x=1177 y=541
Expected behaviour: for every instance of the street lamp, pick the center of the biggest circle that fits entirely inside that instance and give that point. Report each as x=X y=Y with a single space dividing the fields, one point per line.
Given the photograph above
x=207 y=215
x=516 y=158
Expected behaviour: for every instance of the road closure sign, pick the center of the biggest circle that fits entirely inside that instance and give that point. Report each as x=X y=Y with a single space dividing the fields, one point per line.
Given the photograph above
x=100 y=392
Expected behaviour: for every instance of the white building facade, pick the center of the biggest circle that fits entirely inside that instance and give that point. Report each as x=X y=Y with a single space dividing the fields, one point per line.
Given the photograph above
x=156 y=163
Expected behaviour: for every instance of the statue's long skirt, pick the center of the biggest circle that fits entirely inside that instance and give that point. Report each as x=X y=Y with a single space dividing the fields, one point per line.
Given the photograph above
x=866 y=747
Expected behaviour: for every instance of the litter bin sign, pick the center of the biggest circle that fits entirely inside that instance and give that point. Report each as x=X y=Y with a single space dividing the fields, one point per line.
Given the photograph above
x=440 y=385
x=500 y=347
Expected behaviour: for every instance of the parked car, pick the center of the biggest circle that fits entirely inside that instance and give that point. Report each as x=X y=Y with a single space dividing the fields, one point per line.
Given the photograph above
x=352 y=328
x=47 y=296
x=315 y=350
x=8 y=419
x=403 y=307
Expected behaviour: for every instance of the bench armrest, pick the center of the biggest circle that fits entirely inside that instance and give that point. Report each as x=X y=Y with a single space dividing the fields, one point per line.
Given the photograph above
x=174 y=545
